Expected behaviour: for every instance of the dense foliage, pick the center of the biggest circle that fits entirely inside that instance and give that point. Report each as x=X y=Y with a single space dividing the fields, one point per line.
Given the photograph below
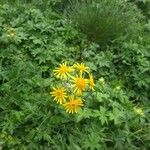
x=111 y=19
x=35 y=37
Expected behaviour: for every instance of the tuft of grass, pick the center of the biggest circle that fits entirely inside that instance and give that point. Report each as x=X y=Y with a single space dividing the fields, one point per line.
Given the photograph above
x=103 y=21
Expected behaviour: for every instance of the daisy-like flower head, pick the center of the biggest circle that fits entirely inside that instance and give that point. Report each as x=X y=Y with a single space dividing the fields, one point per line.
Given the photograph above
x=79 y=83
x=59 y=95
x=73 y=105
x=62 y=71
x=81 y=67
x=91 y=82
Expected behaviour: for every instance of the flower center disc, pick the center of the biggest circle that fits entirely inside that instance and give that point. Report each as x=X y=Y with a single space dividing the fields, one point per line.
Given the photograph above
x=63 y=69
x=60 y=93
x=81 y=83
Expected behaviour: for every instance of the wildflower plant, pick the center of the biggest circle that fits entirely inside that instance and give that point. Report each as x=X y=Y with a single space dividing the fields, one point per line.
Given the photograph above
x=115 y=116
x=73 y=82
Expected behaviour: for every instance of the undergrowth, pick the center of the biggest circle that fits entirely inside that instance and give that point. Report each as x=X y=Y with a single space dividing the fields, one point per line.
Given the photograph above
x=116 y=115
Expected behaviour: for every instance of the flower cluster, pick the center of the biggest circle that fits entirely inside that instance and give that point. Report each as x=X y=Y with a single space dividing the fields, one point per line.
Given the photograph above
x=74 y=80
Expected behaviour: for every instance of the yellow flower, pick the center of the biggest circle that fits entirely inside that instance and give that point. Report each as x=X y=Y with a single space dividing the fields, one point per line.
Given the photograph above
x=81 y=67
x=59 y=95
x=138 y=111
x=73 y=105
x=62 y=71
x=79 y=83
x=91 y=82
